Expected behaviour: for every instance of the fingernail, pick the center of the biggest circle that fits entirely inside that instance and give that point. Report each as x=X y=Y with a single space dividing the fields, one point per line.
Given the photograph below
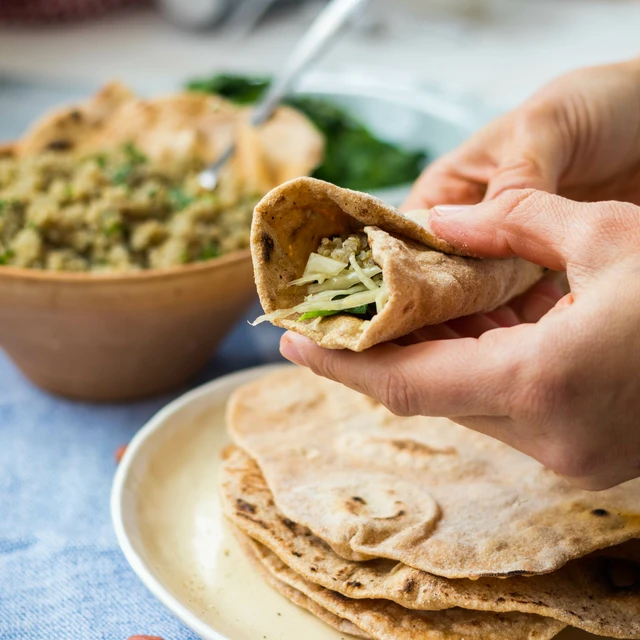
x=289 y=348
x=451 y=209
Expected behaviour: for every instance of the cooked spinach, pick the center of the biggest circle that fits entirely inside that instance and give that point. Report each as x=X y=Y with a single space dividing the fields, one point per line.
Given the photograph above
x=239 y=89
x=354 y=157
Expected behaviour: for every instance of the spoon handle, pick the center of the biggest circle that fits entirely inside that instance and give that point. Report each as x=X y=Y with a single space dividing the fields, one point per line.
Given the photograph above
x=314 y=42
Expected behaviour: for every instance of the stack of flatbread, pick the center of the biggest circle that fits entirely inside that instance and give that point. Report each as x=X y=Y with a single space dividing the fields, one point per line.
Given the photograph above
x=417 y=528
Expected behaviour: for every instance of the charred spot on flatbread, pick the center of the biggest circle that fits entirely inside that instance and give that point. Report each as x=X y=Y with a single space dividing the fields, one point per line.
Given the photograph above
x=244 y=506
x=60 y=144
x=267 y=247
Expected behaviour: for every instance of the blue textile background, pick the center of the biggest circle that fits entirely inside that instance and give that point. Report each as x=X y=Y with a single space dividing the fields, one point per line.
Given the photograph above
x=62 y=575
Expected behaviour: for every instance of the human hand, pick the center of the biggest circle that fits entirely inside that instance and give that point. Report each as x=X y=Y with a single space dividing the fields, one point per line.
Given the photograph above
x=578 y=137
x=564 y=390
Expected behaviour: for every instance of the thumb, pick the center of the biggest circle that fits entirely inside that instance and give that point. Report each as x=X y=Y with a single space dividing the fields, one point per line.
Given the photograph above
x=542 y=228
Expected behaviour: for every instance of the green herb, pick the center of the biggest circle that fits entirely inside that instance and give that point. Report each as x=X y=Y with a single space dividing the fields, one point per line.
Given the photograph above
x=68 y=191
x=239 y=89
x=6 y=256
x=113 y=228
x=32 y=225
x=209 y=252
x=134 y=155
x=101 y=160
x=122 y=174
x=179 y=199
x=14 y=205
x=357 y=311
x=354 y=157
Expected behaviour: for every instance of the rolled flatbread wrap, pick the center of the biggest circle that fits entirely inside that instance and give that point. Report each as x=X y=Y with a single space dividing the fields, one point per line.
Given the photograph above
x=348 y=271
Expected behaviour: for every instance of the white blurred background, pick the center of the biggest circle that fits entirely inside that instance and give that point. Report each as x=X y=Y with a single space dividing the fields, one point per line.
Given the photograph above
x=497 y=51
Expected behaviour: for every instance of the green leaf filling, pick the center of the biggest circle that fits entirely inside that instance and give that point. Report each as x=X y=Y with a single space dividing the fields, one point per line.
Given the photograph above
x=356 y=311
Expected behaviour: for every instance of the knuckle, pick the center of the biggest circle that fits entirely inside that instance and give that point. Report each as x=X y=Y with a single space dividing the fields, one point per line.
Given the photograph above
x=540 y=389
x=327 y=365
x=521 y=202
x=603 y=234
x=611 y=220
x=533 y=213
x=535 y=113
x=394 y=392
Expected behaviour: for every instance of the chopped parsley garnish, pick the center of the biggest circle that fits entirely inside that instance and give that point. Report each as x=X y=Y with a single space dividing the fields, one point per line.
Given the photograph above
x=101 y=160
x=212 y=251
x=6 y=256
x=134 y=157
x=113 y=228
x=179 y=199
x=122 y=174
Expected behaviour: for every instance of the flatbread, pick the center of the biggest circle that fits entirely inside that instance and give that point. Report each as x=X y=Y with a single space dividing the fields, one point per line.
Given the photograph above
x=423 y=491
x=183 y=126
x=386 y=620
x=426 y=286
x=297 y=597
x=599 y=593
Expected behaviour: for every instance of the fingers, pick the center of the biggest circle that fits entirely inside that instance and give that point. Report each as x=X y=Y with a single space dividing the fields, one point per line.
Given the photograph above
x=525 y=149
x=473 y=326
x=431 y=332
x=440 y=378
x=537 y=302
x=534 y=152
x=445 y=181
x=530 y=224
x=459 y=177
x=563 y=235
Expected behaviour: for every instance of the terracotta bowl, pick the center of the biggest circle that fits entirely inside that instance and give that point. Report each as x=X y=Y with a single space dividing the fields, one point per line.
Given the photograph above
x=119 y=337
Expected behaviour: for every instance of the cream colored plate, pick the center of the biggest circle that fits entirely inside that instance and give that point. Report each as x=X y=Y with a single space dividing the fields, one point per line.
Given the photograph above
x=167 y=518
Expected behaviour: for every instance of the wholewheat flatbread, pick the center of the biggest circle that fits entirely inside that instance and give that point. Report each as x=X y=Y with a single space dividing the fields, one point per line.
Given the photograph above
x=297 y=597
x=599 y=593
x=384 y=620
x=423 y=491
x=182 y=126
x=426 y=284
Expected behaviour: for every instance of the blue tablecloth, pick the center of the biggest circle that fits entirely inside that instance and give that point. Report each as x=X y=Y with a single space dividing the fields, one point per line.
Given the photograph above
x=62 y=575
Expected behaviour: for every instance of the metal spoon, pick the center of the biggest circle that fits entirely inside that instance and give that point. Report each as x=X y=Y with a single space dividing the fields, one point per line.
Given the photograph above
x=313 y=43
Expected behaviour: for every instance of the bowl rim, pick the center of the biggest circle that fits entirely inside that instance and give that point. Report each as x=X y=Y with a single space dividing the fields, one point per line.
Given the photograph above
x=424 y=98
x=122 y=277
